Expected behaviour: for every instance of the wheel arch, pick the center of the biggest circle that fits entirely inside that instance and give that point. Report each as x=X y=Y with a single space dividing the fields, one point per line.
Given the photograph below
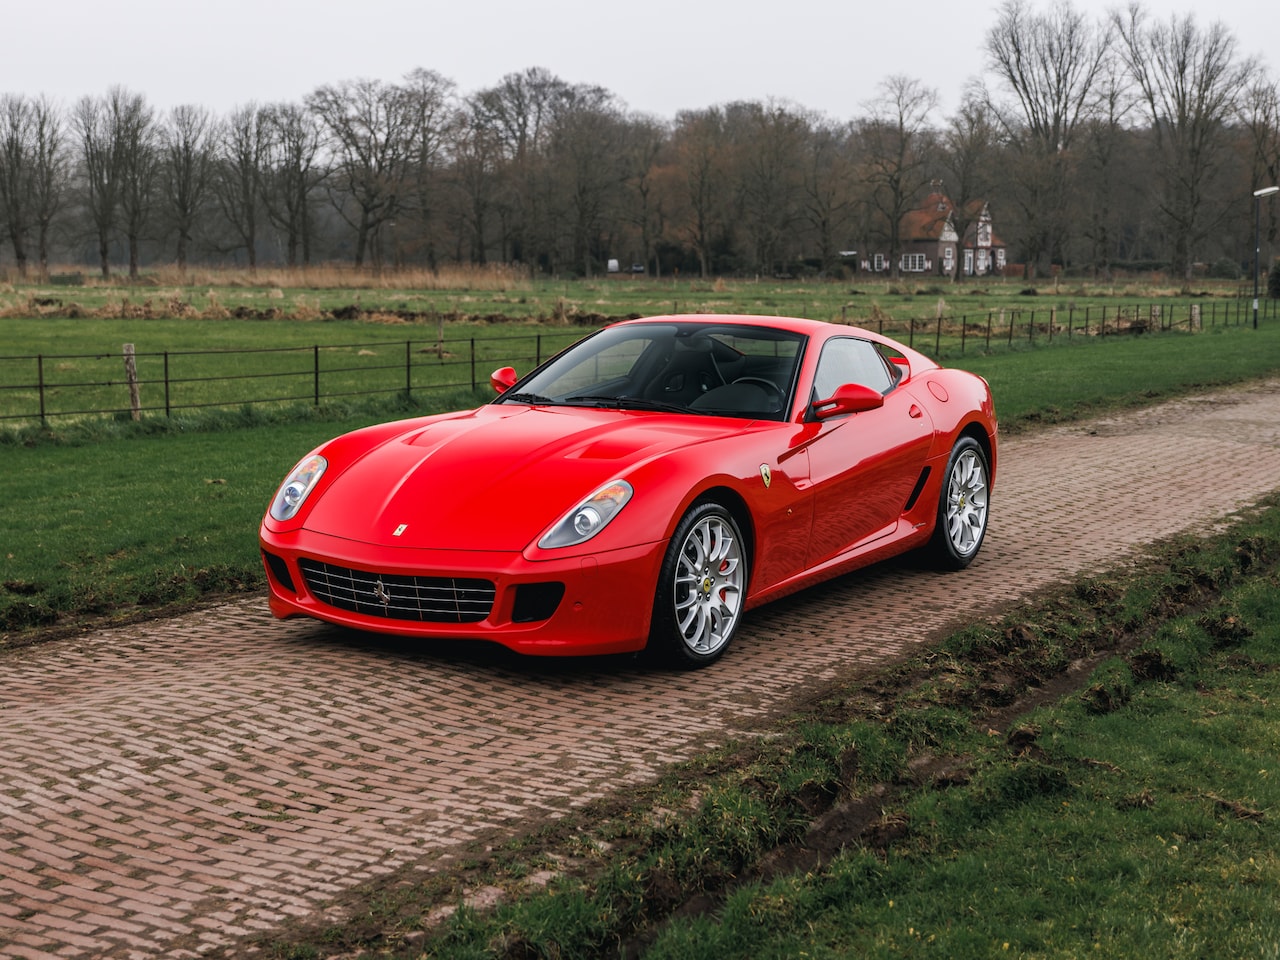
x=979 y=433
x=732 y=501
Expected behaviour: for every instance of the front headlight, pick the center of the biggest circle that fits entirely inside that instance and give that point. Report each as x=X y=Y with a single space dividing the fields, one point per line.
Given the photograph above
x=296 y=486
x=589 y=517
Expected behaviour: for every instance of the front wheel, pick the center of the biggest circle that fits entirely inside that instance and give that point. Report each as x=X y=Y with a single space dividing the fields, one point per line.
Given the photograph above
x=962 y=506
x=701 y=588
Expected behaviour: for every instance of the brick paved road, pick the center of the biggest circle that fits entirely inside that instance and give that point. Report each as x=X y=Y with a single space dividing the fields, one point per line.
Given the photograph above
x=182 y=783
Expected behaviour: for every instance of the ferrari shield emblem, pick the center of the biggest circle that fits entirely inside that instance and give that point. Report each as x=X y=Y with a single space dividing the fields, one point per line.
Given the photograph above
x=766 y=474
x=400 y=529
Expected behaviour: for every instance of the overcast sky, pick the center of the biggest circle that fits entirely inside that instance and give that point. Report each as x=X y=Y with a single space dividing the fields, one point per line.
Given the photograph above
x=658 y=56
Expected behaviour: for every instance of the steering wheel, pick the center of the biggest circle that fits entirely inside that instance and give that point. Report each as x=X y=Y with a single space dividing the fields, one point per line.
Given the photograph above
x=770 y=387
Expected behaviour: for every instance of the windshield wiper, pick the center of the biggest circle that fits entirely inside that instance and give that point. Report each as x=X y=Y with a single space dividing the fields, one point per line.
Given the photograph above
x=536 y=399
x=630 y=403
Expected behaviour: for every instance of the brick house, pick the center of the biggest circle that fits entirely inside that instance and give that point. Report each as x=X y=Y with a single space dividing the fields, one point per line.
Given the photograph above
x=931 y=245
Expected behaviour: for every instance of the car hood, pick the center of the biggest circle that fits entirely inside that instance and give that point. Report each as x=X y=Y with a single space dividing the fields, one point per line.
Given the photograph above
x=493 y=479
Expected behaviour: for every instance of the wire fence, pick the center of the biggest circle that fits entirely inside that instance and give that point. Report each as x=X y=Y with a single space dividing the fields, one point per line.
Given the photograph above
x=1007 y=327
x=43 y=386
x=38 y=387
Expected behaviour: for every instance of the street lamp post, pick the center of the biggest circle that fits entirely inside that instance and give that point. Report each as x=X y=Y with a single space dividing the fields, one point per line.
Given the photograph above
x=1257 y=241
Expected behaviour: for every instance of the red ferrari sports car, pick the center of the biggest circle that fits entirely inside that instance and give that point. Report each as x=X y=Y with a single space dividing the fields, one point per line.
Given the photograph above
x=644 y=488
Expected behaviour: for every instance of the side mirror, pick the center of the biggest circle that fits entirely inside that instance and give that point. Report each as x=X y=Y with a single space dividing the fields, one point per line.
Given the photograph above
x=503 y=379
x=849 y=398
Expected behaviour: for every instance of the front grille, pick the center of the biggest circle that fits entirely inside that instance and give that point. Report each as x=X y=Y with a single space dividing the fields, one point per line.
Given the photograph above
x=427 y=599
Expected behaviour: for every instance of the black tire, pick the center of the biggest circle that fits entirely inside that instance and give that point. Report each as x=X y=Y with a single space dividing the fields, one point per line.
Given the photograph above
x=702 y=589
x=962 y=513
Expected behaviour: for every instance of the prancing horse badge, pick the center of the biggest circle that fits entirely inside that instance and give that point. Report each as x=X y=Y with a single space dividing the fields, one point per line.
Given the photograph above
x=766 y=474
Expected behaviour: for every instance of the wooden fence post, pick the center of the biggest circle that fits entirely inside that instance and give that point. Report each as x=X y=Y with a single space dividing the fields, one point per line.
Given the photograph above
x=131 y=375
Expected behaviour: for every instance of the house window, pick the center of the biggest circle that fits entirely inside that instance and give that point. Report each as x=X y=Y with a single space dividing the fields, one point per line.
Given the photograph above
x=968 y=263
x=880 y=265
x=948 y=260
x=1000 y=258
x=982 y=261
x=913 y=263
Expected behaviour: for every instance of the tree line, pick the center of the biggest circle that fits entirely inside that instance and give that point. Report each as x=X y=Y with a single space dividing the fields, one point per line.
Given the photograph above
x=1128 y=141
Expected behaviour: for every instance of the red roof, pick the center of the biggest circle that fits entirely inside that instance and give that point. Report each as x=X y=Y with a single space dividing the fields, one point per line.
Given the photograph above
x=926 y=222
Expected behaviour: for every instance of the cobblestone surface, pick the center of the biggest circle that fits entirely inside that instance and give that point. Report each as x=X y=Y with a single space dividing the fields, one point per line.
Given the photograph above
x=179 y=784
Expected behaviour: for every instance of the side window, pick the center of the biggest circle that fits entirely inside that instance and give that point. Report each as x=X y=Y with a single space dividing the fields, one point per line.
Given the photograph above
x=848 y=360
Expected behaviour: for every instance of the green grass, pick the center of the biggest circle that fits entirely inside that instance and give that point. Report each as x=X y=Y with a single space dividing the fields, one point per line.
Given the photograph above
x=1069 y=381
x=1139 y=832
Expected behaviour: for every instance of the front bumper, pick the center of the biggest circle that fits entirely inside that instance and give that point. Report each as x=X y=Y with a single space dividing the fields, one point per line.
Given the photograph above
x=605 y=606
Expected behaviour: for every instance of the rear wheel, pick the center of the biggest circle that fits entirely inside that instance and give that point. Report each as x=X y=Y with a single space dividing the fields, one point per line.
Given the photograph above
x=701 y=588
x=962 y=506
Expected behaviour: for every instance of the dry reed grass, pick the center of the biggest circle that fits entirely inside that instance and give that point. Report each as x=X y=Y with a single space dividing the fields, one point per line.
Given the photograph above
x=490 y=277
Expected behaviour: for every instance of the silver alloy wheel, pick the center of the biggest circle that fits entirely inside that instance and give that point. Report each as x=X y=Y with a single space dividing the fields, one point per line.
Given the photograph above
x=966 y=502
x=708 y=585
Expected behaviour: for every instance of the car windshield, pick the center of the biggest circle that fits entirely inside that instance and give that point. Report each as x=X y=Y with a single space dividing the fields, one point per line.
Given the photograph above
x=716 y=369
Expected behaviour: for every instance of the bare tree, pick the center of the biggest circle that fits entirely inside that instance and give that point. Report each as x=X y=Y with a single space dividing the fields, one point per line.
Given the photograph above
x=828 y=175
x=768 y=138
x=645 y=143
x=291 y=172
x=431 y=99
x=52 y=174
x=900 y=148
x=139 y=158
x=1049 y=65
x=111 y=131
x=477 y=157
x=237 y=185
x=520 y=110
x=701 y=150
x=33 y=174
x=187 y=171
x=15 y=174
x=1189 y=79
x=373 y=130
x=91 y=122
x=1104 y=139
x=586 y=157
x=1260 y=116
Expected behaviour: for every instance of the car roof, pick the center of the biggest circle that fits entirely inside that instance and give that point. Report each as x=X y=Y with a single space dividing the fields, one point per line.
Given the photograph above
x=793 y=324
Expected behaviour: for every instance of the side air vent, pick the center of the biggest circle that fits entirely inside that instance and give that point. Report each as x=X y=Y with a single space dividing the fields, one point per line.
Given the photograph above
x=915 y=492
